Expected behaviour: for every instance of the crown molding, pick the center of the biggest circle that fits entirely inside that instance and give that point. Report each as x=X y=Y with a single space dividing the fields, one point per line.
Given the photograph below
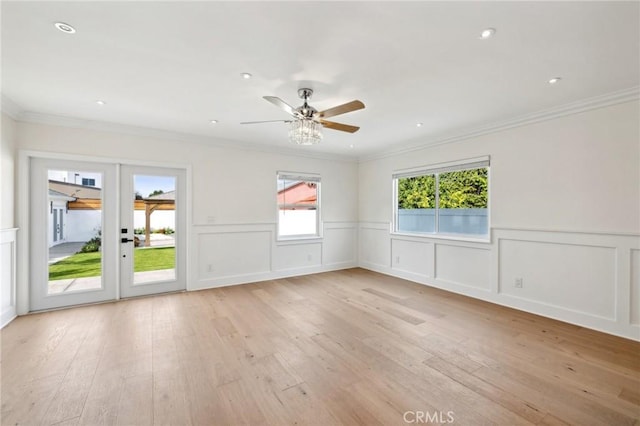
x=609 y=99
x=103 y=126
x=10 y=108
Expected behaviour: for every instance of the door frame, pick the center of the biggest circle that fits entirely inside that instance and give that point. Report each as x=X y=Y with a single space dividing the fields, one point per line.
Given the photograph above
x=23 y=204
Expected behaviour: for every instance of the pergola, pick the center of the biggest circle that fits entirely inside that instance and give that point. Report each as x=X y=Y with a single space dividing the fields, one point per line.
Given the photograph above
x=149 y=205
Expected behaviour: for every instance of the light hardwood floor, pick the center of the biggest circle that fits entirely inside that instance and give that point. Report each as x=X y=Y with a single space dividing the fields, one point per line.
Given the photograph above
x=348 y=347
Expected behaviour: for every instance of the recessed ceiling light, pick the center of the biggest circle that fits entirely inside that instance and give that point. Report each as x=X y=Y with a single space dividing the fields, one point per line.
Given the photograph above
x=213 y=121
x=419 y=124
x=246 y=75
x=487 y=33
x=100 y=102
x=554 y=80
x=351 y=146
x=65 y=28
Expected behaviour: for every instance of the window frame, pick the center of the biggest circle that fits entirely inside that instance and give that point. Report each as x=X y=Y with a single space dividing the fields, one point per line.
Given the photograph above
x=300 y=176
x=436 y=170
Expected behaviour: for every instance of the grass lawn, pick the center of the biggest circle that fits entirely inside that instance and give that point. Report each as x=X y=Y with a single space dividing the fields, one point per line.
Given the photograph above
x=89 y=264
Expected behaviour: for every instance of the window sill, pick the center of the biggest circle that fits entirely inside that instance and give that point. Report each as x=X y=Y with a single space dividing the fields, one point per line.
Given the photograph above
x=483 y=239
x=298 y=240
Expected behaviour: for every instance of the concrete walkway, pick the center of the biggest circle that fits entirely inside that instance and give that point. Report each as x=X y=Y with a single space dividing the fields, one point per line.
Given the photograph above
x=61 y=251
x=91 y=283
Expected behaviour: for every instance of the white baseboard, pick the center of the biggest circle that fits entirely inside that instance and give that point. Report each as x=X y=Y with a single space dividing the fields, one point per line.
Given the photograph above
x=226 y=281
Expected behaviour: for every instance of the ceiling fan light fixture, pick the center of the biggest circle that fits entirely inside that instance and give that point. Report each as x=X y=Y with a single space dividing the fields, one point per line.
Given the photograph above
x=305 y=132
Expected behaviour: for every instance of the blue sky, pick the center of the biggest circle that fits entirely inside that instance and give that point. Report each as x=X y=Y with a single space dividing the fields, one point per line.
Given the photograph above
x=145 y=184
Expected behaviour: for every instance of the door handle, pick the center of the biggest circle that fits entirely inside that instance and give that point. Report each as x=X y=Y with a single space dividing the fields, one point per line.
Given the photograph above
x=125 y=240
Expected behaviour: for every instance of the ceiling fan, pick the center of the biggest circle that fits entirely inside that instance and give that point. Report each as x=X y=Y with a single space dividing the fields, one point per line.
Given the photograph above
x=307 y=121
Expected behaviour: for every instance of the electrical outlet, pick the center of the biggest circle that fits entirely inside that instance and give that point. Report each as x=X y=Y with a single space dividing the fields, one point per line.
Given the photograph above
x=210 y=268
x=397 y=259
x=517 y=283
x=309 y=257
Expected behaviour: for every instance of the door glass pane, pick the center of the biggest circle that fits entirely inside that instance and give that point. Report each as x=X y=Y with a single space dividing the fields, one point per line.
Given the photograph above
x=75 y=231
x=154 y=221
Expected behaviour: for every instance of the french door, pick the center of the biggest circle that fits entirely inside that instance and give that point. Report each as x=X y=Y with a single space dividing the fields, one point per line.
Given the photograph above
x=101 y=231
x=152 y=230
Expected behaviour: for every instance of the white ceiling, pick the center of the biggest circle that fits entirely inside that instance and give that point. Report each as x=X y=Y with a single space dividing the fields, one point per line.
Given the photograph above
x=176 y=65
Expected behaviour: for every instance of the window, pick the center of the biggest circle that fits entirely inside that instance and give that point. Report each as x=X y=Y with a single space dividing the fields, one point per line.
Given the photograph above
x=447 y=199
x=88 y=182
x=298 y=206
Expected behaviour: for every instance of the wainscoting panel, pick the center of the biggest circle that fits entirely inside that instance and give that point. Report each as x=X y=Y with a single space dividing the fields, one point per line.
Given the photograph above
x=237 y=254
x=375 y=247
x=7 y=276
x=340 y=244
x=295 y=256
x=227 y=254
x=575 y=277
x=463 y=266
x=414 y=257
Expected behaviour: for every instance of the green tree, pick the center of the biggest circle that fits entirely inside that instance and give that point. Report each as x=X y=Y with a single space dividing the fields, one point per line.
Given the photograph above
x=417 y=192
x=156 y=192
x=463 y=189
x=458 y=189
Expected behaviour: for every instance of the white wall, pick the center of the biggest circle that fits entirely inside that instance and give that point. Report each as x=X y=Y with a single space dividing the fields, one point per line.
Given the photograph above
x=233 y=207
x=565 y=217
x=82 y=225
x=7 y=172
x=7 y=223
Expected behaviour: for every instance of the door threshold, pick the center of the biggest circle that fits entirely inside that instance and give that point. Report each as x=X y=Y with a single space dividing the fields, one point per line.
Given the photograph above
x=103 y=302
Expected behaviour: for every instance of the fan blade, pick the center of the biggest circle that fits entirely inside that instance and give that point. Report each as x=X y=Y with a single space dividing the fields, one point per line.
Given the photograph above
x=266 y=121
x=282 y=105
x=341 y=109
x=339 y=126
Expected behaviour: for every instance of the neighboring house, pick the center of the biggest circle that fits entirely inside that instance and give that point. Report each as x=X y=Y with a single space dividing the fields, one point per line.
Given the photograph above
x=75 y=212
x=79 y=178
x=297 y=209
x=58 y=217
x=298 y=193
x=77 y=191
x=165 y=196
